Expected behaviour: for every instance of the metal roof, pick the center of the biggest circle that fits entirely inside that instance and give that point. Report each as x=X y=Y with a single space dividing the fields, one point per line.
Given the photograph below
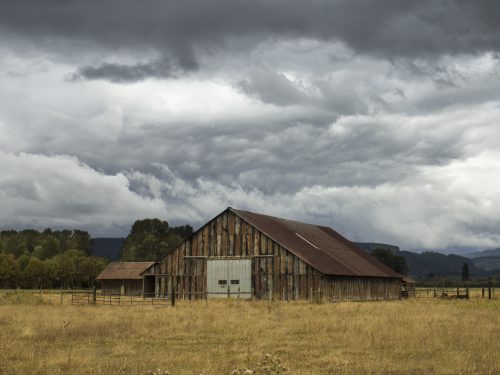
x=409 y=280
x=320 y=247
x=124 y=270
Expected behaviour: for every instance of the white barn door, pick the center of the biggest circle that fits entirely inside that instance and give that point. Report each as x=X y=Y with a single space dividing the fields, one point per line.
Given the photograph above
x=226 y=276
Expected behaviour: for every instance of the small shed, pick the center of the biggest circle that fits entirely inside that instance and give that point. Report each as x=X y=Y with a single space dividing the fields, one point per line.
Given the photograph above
x=128 y=278
x=407 y=287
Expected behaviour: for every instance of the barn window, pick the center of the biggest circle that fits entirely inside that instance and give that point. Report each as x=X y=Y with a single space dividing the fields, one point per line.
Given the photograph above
x=235 y=282
x=222 y=282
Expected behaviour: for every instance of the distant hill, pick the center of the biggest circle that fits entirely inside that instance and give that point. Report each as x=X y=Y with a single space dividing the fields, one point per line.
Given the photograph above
x=488 y=263
x=484 y=253
x=108 y=248
x=436 y=265
x=370 y=246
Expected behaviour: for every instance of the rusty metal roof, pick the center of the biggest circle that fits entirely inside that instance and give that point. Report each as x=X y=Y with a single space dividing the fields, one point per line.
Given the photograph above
x=320 y=247
x=124 y=270
x=409 y=280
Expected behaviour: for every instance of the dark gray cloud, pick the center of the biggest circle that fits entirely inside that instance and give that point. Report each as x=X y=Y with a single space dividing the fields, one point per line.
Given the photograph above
x=272 y=87
x=121 y=73
x=180 y=30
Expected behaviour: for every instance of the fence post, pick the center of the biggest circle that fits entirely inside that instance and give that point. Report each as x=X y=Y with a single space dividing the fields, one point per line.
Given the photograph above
x=172 y=296
x=94 y=295
x=482 y=292
x=228 y=291
x=489 y=292
x=270 y=289
x=61 y=295
x=238 y=295
x=206 y=299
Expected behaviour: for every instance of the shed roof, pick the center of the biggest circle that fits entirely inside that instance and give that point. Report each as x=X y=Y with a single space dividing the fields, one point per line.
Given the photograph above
x=124 y=270
x=409 y=280
x=319 y=246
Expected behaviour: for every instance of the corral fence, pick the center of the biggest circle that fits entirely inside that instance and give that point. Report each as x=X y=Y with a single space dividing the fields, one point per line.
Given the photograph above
x=457 y=293
x=111 y=297
x=94 y=297
x=118 y=298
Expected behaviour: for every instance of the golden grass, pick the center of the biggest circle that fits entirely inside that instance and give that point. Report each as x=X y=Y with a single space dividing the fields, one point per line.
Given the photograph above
x=399 y=337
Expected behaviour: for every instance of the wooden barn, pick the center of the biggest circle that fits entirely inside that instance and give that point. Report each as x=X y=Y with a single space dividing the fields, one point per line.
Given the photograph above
x=128 y=278
x=245 y=254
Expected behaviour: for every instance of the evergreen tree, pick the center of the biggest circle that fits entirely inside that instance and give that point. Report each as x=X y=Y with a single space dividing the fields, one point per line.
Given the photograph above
x=465 y=272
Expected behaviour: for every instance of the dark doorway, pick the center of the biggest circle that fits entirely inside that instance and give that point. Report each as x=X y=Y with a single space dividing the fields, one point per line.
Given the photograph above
x=149 y=286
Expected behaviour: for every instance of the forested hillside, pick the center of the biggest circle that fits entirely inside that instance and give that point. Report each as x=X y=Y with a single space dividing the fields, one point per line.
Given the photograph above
x=433 y=265
x=436 y=265
x=48 y=259
x=484 y=253
x=488 y=263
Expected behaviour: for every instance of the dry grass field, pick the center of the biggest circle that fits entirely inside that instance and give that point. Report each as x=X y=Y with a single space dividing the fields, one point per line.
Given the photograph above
x=401 y=337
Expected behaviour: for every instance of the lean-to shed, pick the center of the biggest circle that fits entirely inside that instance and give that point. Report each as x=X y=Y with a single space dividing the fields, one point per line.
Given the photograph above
x=127 y=278
x=408 y=287
x=254 y=255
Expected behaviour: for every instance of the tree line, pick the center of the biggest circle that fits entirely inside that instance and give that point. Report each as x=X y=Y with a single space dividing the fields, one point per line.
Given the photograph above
x=47 y=259
x=63 y=258
x=152 y=239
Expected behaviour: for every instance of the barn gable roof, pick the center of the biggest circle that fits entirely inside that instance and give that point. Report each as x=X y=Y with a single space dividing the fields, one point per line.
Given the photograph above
x=124 y=270
x=320 y=247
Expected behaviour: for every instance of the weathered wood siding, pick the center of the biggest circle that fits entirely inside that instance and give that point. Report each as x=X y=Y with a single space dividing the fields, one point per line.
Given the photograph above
x=125 y=287
x=274 y=269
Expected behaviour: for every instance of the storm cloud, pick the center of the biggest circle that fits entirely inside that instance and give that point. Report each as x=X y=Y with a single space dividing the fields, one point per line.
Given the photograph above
x=181 y=30
x=377 y=118
x=121 y=73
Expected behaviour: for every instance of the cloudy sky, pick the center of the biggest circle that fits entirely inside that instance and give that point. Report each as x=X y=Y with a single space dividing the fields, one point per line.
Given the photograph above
x=378 y=118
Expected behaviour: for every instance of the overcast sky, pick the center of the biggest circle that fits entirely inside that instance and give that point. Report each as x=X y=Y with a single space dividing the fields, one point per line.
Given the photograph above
x=380 y=118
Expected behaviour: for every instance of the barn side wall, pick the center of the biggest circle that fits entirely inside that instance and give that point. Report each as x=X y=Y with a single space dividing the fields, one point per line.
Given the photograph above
x=111 y=286
x=274 y=269
x=126 y=287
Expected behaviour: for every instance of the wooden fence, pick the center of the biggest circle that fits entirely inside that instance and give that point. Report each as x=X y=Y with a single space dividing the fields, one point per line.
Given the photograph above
x=460 y=293
x=95 y=297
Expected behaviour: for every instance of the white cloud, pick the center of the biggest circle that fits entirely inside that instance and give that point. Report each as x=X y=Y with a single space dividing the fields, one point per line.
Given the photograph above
x=439 y=207
x=44 y=191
